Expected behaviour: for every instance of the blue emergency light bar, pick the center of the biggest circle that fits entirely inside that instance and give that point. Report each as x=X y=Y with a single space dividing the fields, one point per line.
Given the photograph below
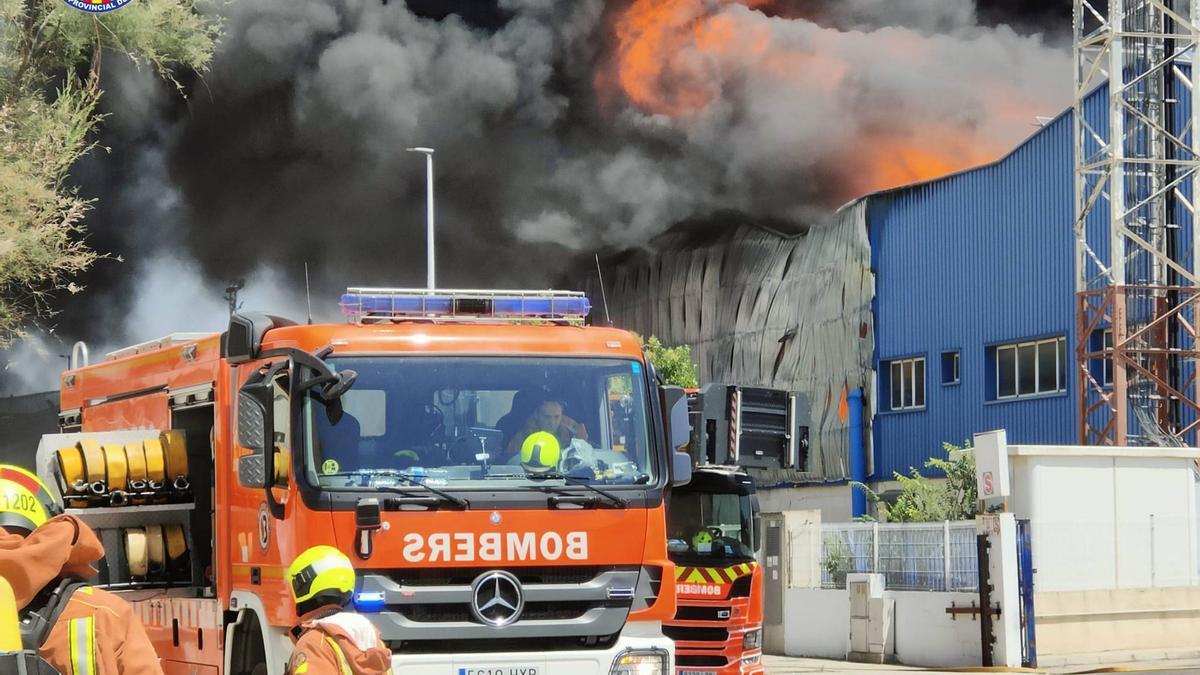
x=381 y=304
x=370 y=602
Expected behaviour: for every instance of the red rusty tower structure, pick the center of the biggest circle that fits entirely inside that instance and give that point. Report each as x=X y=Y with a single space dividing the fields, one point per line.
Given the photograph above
x=1137 y=163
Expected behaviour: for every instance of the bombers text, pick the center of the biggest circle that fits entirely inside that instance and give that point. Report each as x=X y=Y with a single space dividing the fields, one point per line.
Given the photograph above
x=494 y=546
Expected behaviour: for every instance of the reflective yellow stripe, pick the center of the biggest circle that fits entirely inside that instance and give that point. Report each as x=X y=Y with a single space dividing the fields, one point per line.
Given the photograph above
x=715 y=575
x=679 y=571
x=340 y=656
x=732 y=573
x=696 y=577
x=10 y=627
x=83 y=645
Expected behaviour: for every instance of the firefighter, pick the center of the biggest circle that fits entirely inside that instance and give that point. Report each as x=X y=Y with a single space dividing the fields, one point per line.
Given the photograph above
x=549 y=417
x=45 y=556
x=332 y=641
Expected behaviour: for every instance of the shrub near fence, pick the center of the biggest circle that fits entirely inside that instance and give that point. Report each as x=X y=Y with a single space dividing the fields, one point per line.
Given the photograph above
x=911 y=556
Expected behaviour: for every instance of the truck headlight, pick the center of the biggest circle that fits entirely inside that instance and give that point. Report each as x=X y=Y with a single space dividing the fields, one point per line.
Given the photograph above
x=752 y=639
x=641 y=662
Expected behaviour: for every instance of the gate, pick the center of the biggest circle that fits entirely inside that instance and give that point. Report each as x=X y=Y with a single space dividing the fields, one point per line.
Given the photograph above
x=989 y=612
x=1025 y=585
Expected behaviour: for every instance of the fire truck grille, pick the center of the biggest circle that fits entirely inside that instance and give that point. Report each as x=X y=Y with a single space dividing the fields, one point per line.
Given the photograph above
x=696 y=660
x=696 y=634
x=686 y=613
x=568 y=604
x=534 y=611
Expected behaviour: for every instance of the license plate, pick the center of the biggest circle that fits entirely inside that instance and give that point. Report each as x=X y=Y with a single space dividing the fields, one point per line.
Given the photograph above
x=499 y=670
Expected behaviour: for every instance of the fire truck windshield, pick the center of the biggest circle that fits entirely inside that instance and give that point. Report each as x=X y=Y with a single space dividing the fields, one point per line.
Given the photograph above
x=706 y=528
x=461 y=422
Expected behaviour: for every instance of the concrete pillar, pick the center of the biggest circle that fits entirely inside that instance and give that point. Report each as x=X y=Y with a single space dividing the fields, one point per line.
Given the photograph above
x=1001 y=530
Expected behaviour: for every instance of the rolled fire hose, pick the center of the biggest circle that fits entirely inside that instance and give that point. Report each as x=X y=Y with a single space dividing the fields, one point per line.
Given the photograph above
x=176 y=544
x=94 y=465
x=70 y=466
x=156 y=551
x=135 y=552
x=155 y=469
x=117 y=469
x=136 y=461
x=177 y=461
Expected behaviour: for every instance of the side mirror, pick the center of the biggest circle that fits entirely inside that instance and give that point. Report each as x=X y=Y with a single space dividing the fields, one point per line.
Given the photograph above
x=244 y=337
x=256 y=432
x=675 y=407
x=756 y=518
x=341 y=385
x=681 y=468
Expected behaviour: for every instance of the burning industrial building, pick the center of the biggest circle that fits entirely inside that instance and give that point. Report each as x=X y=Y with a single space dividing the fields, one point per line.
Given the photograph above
x=561 y=129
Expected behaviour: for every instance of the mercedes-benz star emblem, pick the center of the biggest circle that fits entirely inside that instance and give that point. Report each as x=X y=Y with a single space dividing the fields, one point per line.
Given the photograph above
x=496 y=598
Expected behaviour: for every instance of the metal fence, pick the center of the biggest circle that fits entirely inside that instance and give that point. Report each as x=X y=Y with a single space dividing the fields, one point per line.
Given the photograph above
x=911 y=556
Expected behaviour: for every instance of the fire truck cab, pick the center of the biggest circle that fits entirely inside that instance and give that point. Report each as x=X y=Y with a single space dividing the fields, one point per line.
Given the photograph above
x=208 y=463
x=715 y=530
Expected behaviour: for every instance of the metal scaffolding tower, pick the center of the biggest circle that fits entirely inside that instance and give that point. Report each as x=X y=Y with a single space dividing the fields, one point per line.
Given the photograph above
x=1137 y=163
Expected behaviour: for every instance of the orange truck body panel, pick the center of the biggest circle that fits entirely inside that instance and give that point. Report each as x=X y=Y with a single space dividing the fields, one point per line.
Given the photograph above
x=712 y=616
x=133 y=393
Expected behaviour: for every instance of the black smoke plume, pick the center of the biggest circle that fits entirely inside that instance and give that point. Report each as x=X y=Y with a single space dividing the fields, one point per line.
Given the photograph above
x=291 y=150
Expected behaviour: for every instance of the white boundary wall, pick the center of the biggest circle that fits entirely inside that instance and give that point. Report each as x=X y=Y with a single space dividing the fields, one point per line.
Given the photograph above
x=1107 y=518
x=818 y=625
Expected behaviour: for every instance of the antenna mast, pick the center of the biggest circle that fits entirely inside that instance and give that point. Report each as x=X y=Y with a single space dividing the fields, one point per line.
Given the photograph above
x=1137 y=176
x=307 y=293
x=603 y=296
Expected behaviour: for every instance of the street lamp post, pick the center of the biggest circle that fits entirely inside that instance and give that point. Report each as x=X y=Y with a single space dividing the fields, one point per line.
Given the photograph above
x=429 y=258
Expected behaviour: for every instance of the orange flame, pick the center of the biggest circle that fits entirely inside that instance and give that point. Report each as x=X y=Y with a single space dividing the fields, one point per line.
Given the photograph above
x=677 y=57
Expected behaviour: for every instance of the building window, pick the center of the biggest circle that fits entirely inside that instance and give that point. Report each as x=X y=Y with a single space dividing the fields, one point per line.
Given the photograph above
x=950 y=368
x=906 y=381
x=1031 y=368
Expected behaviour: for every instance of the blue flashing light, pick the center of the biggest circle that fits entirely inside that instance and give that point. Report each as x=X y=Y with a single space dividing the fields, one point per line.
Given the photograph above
x=383 y=303
x=369 y=602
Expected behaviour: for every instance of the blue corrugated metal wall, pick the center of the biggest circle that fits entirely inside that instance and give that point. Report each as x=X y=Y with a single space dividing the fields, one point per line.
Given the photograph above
x=976 y=259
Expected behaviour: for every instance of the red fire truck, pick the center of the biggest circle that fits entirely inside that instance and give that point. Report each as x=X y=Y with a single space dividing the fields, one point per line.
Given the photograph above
x=715 y=530
x=208 y=462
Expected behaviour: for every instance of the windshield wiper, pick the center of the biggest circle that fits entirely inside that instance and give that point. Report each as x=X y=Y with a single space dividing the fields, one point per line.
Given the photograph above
x=582 y=482
x=446 y=496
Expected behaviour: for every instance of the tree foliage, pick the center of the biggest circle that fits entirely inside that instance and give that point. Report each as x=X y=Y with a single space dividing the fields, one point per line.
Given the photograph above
x=924 y=499
x=50 y=65
x=674 y=364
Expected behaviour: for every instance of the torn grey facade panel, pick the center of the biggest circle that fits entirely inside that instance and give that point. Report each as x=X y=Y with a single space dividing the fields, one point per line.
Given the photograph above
x=763 y=309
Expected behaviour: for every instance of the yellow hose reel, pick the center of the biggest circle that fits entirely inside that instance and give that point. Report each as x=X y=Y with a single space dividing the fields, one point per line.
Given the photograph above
x=177 y=461
x=94 y=466
x=137 y=556
x=124 y=473
x=70 y=467
x=156 y=469
x=117 y=471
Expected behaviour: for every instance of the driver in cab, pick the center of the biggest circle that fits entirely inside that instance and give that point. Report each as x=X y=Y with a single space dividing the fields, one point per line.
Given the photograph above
x=549 y=417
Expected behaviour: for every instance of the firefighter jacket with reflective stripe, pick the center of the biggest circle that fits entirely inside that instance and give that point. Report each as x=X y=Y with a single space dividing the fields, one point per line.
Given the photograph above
x=326 y=649
x=96 y=633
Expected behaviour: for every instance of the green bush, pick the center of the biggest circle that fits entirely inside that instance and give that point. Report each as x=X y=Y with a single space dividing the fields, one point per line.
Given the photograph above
x=924 y=500
x=673 y=363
